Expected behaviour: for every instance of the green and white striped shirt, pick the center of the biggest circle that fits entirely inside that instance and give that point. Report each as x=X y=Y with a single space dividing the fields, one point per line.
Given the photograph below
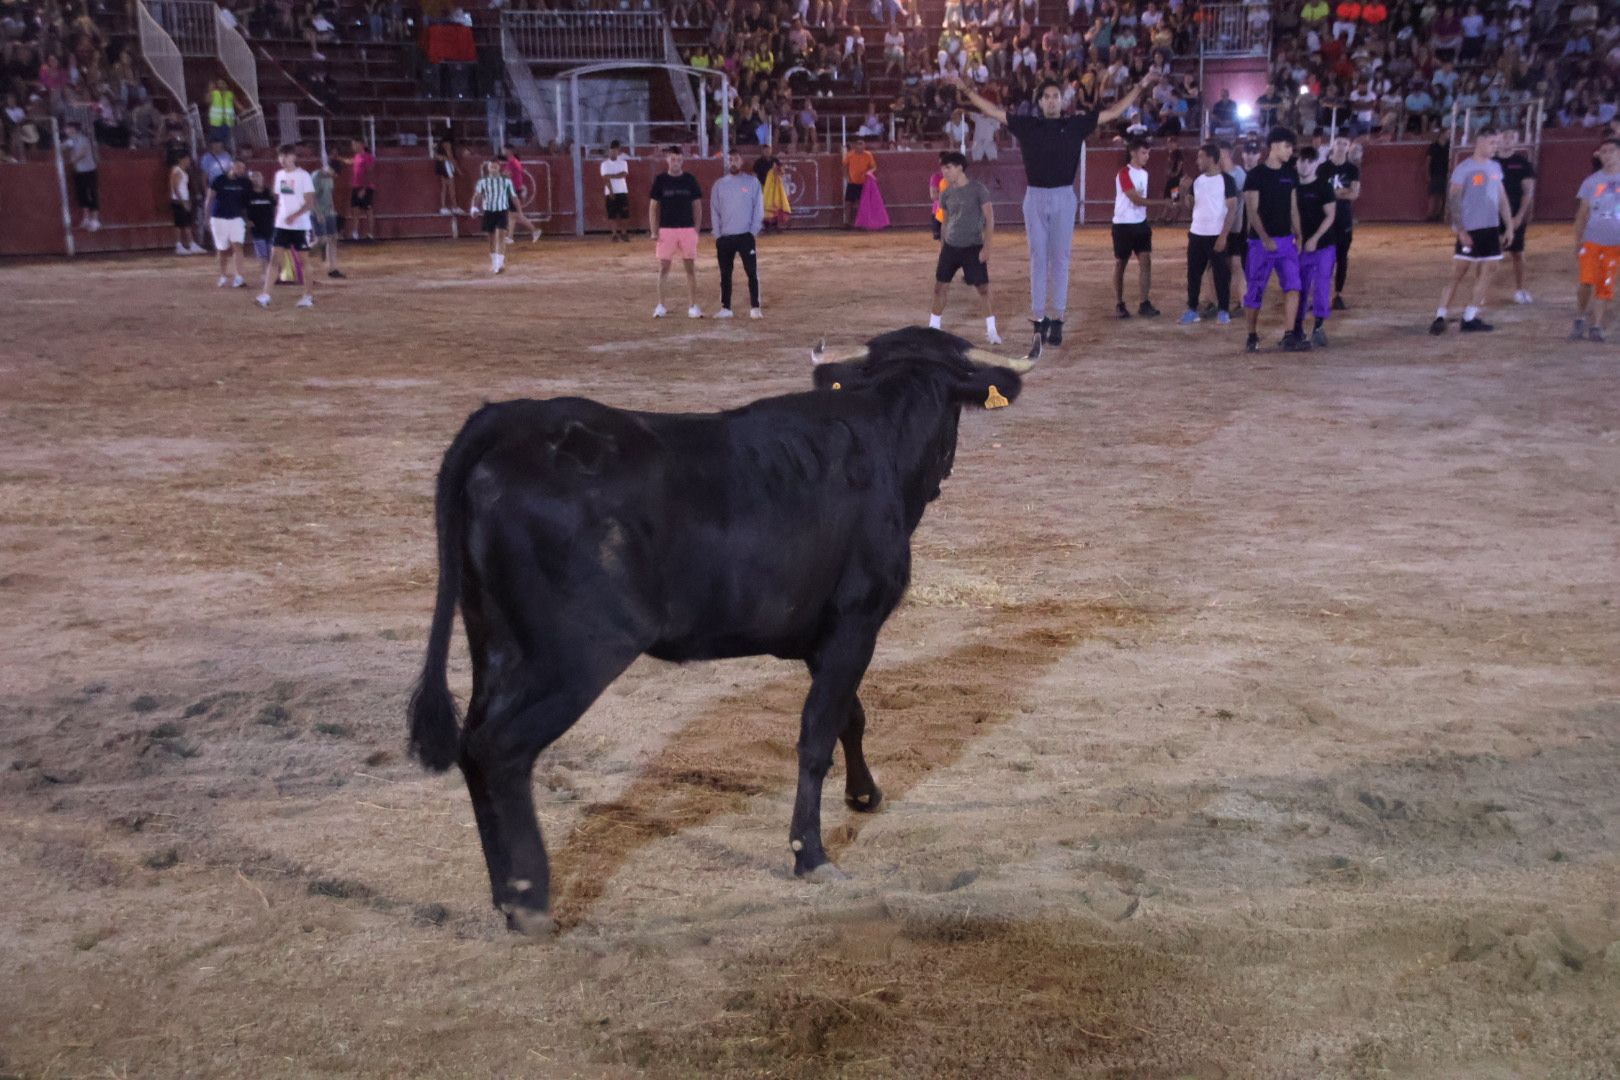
x=496 y=193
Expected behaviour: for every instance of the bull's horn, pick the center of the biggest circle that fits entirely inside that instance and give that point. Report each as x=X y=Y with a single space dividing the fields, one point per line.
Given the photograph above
x=1022 y=364
x=818 y=355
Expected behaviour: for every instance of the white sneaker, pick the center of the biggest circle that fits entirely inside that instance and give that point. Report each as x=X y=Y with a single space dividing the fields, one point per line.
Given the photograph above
x=755 y=313
x=195 y=249
x=238 y=283
x=1523 y=297
x=263 y=299
x=355 y=236
x=723 y=313
x=223 y=281
x=659 y=312
x=444 y=211
x=305 y=301
x=694 y=312
x=994 y=339
x=180 y=249
x=459 y=212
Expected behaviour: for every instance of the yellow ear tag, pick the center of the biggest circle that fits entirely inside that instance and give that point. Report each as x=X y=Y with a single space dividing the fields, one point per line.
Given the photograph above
x=838 y=386
x=994 y=400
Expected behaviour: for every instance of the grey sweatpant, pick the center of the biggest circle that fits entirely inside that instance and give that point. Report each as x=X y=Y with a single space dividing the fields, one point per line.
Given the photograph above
x=1049 y=226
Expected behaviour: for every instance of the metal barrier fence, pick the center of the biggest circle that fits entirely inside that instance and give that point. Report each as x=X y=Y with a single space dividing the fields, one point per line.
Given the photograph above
x=237 y=58
x=1234 y=30
x=161 y=53
x=190 y=23
x=559 y=37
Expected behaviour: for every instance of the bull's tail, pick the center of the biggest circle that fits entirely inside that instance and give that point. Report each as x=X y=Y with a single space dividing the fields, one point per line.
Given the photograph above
x=435 y=736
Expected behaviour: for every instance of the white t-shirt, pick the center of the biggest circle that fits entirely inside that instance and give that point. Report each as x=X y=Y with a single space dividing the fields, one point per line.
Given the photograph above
x=1130 y=178
x=1209 y=203
x=613 y=177
x=290 y=186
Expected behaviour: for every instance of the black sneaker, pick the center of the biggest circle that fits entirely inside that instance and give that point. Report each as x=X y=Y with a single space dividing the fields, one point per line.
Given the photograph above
x=1292 y=342
x=1252 y=343
x=1318 y=338
x=1476 y=325
x=1040 y=328
x=336 y=274
x=1054 y=331
x=1121 y=310
x=1147 y=310
x=1437 y=327
x=1338 y=304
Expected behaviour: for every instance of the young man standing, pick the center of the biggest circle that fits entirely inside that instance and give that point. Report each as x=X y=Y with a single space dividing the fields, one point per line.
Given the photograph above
x=1132 y=233
x=674 y=208
x=1051 y=145
x=1318 y=207
x=1597 y=242
x=79 y=150
x=295 y=204
x=185 y=222
x=737 y=214
x=362 y=189
x=227 y=221
x=970 y=222
x=1214 y=217
x=1344 y=177
x=1477 y=207
x=616 y=191
x=1269 y=196
x=1438 y=156
x=494 y=196
x=1519 y=180
x=326 y=219
x=858 y=165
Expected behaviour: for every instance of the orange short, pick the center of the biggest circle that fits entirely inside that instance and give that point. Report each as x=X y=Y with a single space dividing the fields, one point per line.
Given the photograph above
x=1598 y=267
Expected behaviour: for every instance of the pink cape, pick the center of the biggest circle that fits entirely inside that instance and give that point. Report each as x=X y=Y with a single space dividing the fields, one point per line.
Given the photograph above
x=871 y=214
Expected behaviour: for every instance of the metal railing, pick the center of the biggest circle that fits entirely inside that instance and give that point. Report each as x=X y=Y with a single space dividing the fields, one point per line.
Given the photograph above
x=1234 y=30
x=190 y=23
x=236 y=57
x=569 y=37
x=162 y=55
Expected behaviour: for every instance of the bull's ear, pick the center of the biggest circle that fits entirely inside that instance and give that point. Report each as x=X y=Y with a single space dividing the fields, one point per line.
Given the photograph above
x=831 y=376
x=990 y=387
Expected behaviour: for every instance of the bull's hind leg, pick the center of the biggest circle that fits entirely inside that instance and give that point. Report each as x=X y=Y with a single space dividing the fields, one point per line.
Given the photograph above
x=861 y=792
x=829 y=710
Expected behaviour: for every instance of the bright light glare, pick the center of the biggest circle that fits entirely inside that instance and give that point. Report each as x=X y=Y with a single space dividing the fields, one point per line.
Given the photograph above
x=1245 y=111
x=1304 y=90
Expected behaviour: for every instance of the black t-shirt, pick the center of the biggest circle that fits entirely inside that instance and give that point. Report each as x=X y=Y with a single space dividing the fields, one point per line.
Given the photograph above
x=1276 y=188
x=1051 y=148
x=261 y=212
x=1340 y=177
x=1515 y=171
x=231 y=195
x=1314 y=200
x=1439 y=161
x=675 y=196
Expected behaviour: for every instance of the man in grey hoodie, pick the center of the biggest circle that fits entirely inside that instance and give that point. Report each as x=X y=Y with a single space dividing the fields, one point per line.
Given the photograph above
x=736 y=216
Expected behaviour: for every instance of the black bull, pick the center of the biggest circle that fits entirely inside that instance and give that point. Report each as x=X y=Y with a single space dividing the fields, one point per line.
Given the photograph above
x=577 y=537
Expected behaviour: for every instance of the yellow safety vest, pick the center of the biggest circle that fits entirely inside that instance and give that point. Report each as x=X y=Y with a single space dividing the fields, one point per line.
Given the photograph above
x=221 y=108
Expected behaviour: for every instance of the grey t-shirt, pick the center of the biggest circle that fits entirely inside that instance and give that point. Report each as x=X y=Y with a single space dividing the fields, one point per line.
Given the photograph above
x=81 y=152
x=1481 y=183
x=1602 y=191
x=964 y=213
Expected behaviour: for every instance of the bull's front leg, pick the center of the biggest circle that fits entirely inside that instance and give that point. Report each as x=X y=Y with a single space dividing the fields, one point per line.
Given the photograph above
x=836 y=673
x=861 y=792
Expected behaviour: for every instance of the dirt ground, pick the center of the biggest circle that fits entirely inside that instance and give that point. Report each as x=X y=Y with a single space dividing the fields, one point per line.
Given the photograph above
x=1250 y=716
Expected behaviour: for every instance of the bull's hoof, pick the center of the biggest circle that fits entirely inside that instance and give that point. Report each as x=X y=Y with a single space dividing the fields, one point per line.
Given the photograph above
x=824 y=873
x=530 y=922
x=864 y=802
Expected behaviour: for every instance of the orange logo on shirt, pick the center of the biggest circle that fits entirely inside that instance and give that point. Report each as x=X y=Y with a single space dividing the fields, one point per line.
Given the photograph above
x=1479 y=179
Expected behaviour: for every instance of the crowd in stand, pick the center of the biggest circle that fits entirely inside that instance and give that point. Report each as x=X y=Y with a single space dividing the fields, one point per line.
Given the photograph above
x=1398 y=69
x=58 y=62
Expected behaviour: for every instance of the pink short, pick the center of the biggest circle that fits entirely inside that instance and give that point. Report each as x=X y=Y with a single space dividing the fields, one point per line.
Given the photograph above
x=677 y=244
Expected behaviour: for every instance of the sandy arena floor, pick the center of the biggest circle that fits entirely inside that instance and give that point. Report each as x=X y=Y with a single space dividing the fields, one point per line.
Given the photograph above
x=1250 y=717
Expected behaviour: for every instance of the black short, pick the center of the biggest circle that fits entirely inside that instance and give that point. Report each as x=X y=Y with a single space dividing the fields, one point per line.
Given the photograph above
x=87 y=189
x=1485 y=245
x=1517 y=246
x=618 y=207
x=1437 y=185
x=495 y=219
x=182 y=214
x=362 y=198
x=291 y=239
x=1135 y=239
x=965 y=259
x=933 y=226
x=852 y=192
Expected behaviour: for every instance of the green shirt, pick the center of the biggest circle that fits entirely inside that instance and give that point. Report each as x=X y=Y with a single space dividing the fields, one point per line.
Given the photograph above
x=323 y=193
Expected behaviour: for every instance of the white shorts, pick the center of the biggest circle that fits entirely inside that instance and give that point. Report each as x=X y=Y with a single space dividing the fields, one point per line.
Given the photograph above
x=227 y=231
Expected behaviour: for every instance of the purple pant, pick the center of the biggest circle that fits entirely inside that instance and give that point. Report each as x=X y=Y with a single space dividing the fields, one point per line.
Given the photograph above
x=1316 y=281
x=1285 y=261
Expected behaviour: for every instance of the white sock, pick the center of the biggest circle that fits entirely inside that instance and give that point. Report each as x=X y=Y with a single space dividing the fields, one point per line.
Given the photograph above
x=990 y=323
x=1440 y=313
x=1470 y=312
x=933 y=321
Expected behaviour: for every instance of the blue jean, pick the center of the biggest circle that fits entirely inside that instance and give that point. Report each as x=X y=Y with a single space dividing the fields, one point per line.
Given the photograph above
x=1049 y=226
